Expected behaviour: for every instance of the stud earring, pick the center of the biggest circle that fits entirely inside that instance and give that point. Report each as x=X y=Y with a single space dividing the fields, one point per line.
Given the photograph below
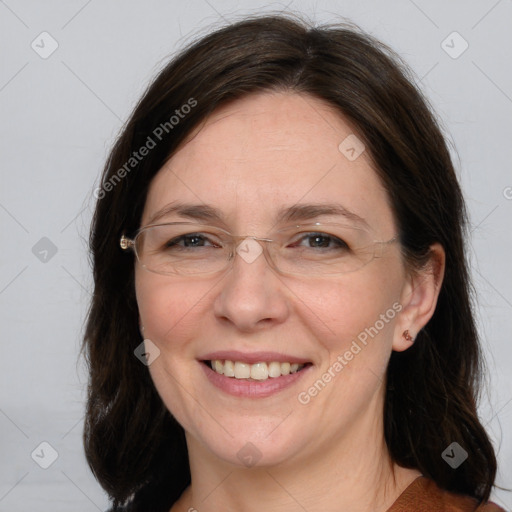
x=141 y=329
x=407 y=336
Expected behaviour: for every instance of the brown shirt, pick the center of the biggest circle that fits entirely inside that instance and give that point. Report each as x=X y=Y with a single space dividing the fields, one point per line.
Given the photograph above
x=423 y=495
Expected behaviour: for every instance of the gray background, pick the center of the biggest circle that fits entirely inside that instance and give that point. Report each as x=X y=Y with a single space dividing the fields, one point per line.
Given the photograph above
x=60 y=115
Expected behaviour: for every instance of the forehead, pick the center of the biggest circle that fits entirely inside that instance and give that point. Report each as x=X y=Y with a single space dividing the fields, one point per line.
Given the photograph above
x=266 y=152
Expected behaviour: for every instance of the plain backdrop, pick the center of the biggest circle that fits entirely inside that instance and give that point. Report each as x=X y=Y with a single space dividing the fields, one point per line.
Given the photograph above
x=60 y=113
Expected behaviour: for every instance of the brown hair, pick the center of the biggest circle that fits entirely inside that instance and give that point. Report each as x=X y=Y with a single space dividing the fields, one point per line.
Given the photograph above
x=134 y=446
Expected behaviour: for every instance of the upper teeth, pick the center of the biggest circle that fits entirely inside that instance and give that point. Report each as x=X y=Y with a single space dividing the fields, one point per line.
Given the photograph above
x=258 y=371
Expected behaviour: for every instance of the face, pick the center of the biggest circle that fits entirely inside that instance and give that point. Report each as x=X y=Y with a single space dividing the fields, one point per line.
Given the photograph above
x=252 y=159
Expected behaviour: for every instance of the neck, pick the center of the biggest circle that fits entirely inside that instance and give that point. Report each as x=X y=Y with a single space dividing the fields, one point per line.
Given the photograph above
x=353 y=473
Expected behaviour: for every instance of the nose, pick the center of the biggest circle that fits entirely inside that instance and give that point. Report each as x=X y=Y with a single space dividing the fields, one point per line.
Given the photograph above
x=252 y=295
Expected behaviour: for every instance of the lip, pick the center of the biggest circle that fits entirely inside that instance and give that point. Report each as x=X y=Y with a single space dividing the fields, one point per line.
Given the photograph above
x=252 y=388
x=252 y=357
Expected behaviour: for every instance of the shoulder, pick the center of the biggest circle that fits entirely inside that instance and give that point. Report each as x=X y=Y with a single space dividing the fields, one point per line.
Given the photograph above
x=423 y=495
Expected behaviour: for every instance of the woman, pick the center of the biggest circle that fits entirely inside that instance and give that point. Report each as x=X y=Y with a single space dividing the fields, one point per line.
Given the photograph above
x=281 y=223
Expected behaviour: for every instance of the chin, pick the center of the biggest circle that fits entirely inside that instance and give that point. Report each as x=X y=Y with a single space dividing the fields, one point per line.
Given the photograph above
x=252 y=449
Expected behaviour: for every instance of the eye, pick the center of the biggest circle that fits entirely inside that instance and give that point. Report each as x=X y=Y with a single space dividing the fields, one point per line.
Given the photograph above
x=322 y=241
x=191 y=240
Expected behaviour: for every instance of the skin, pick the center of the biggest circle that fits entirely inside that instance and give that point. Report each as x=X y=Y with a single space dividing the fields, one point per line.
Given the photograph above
x=250 y=158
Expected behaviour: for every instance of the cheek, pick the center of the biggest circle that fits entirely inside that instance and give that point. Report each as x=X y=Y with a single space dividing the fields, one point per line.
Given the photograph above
x=169 y=313
x=167 y=310
x=353 y=322
x=341 y=311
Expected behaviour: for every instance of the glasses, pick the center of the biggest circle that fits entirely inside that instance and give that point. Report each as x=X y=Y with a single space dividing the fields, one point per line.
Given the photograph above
x=318 y=249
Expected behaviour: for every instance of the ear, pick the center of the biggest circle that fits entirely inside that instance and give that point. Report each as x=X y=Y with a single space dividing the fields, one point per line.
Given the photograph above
x=419 y=298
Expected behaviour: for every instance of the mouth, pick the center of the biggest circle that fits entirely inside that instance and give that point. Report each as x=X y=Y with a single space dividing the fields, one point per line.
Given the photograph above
x=256 y=375
x=253 y=374
x=256 y=372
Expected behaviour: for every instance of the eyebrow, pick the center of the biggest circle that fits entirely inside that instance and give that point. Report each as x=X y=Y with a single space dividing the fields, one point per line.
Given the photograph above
x=295 y=213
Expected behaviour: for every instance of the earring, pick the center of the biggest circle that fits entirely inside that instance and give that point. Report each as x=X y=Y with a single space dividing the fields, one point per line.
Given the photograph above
x=407 y=336
x=141 y=328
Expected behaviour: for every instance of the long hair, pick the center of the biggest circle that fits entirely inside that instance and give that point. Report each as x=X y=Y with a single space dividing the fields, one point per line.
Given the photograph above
x=134 y=446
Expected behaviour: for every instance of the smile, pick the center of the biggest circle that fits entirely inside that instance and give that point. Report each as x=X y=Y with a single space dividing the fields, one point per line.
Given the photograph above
x=253 y=375
x=259 y=371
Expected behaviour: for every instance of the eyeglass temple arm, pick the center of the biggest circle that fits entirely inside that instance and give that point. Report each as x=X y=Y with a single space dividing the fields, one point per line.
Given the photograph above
x=379 y=246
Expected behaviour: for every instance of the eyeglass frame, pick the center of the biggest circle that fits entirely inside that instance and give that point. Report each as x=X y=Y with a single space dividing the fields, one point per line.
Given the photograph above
x=127 y=243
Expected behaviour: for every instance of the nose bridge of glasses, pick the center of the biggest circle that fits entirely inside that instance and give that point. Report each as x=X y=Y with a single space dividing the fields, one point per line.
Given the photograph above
x=238 y=241
x=249 y=248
